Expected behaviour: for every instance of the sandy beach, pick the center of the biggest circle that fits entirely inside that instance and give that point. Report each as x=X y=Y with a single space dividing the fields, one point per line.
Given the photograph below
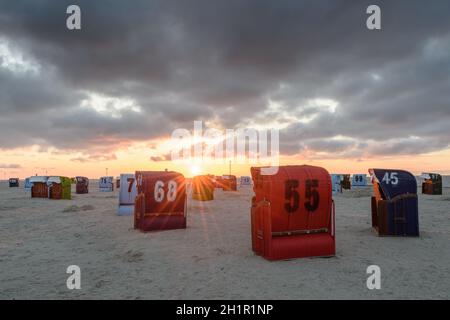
x=212 y=258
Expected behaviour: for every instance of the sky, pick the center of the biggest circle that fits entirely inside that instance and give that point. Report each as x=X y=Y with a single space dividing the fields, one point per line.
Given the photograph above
x=108 y=97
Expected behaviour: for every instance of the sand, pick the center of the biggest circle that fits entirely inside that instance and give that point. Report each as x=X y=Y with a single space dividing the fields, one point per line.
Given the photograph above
x=212 y=258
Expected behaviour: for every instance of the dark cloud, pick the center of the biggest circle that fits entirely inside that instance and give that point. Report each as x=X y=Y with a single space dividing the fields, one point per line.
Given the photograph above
x=174 y=62
x=333 y=146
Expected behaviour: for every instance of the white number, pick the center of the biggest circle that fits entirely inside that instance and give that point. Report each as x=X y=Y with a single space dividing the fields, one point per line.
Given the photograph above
x=172 y=194
x=390 y=179
x=394 y=178
x=159 y=191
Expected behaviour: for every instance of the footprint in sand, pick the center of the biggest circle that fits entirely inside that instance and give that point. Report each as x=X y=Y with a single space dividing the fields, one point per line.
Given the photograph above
x=133 y=256
x=78 y=209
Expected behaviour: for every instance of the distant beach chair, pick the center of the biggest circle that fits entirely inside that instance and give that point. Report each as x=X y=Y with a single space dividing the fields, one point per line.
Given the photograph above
x=82 y=185
x=345 y=182
x=59 y=188
x=245 y=181
x=359 y=180
x=202 y=188
x=127 y=194
x=336 y=185
x=432 y=184
x=13 y=182
x=27 y=185
x=39 y=188
x=228 y=183
x=106 y=184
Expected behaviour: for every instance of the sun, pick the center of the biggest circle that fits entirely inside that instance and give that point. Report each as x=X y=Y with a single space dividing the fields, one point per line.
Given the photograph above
x=195 y=170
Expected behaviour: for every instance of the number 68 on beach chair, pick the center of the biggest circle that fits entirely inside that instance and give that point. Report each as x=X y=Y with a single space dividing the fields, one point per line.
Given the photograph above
x=161 y=201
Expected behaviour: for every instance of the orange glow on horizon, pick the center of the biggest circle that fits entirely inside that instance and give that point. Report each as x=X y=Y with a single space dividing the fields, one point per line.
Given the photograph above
x=31 y=161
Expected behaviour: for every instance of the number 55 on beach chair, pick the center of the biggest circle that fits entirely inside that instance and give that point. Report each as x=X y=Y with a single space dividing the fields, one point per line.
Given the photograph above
x=292 y=214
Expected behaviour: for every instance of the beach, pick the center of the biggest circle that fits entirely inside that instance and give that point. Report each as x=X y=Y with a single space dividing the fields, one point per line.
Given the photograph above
x=212 y=258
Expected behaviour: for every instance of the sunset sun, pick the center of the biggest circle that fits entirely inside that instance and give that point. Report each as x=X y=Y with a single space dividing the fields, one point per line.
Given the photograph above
x=195 y=170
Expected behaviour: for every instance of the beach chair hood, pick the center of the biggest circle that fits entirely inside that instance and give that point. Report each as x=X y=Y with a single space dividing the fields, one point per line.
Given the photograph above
x=394 y=182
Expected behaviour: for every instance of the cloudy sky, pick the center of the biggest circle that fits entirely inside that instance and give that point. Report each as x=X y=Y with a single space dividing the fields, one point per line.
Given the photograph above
x=110 y=95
